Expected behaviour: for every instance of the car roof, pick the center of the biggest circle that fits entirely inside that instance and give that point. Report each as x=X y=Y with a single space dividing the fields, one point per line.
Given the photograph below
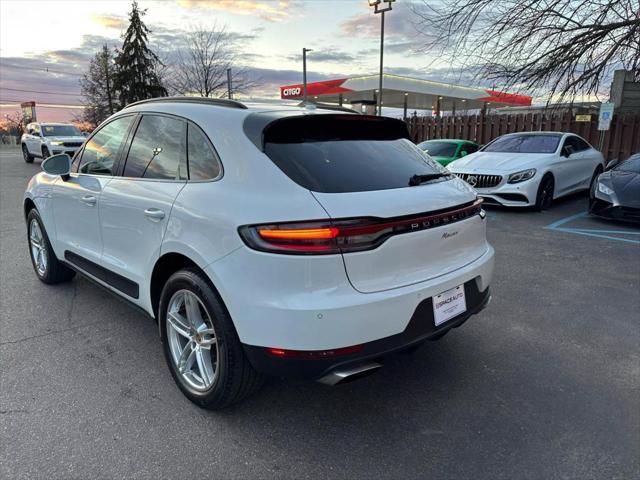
x=309 y=107
x=538 y=133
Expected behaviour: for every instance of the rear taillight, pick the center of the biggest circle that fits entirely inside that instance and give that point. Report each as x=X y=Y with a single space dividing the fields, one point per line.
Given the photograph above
x=343 y=236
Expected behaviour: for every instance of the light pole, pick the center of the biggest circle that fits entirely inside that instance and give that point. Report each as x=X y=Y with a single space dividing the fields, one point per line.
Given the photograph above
x=304 y=73
x=381 y=6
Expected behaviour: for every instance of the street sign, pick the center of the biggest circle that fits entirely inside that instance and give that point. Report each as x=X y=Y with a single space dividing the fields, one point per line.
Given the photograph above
x=605 y=116
x=583 y=118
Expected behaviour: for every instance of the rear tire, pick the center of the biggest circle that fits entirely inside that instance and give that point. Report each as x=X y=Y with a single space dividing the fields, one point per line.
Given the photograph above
x=200 y=343
x=544 y=198
x=28 y=158
x=45 y=263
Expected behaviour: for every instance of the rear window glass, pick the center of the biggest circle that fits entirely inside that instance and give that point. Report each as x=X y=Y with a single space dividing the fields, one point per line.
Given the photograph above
x=345 y=153
x=524 y=144
x=439 y=149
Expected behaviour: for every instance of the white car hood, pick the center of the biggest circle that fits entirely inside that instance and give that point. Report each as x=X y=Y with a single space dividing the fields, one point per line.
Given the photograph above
x=496 y=162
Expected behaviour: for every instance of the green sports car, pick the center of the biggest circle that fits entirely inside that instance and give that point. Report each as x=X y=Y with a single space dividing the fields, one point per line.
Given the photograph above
x=445 y=151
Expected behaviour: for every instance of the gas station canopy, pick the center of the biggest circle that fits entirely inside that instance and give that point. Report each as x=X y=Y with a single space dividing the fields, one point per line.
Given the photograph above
x=404 y=92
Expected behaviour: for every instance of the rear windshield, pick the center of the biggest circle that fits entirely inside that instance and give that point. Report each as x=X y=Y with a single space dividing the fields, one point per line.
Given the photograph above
x=439 y=149
x=346 y=153
x=524 y=144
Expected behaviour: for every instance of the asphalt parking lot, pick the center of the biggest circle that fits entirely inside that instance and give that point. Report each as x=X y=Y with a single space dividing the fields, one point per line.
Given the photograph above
x=545 y=383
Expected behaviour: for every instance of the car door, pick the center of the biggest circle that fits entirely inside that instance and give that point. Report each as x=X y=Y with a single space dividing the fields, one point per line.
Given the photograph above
x=574 y=168
x=136 y=204
x=33 y=140
x=77 y=199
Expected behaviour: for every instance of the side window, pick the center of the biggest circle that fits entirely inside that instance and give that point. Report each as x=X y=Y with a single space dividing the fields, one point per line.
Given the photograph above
x=203 y=162
x=158 y=148
x=36 y=129
x=469 y=148
x=100 y=153
x=581 y=144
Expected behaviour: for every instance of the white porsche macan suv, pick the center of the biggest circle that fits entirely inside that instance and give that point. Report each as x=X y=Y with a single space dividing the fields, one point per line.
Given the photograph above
x=286 y=241
x=530 y=169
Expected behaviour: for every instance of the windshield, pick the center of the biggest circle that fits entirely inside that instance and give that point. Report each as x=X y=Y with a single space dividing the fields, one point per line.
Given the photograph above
x=60 y=131
x=524 y=144
x=346 y=153
x=631 y=164
x=439 y=149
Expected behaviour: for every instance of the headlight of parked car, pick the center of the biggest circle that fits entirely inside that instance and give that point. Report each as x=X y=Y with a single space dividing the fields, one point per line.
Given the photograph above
x=604 y=189
x=522 y=176
x=56 y=142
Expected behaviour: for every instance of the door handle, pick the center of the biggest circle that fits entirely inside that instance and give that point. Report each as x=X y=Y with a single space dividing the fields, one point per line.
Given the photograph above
x=89 y=200
x=154 y=213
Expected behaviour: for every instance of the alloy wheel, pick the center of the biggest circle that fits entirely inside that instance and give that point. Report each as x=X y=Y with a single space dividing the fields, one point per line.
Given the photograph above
x=192 y=340
x=546 y=194
x=38 y=248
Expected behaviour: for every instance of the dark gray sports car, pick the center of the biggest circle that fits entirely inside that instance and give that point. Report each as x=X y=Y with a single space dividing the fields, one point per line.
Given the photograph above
x=616 y=192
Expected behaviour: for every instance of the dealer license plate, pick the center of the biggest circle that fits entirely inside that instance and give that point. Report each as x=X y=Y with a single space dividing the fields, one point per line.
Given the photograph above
x=447 y=305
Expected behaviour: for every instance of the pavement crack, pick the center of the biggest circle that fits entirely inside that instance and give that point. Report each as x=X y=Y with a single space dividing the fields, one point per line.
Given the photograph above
x=48 y=334
x=72 y=303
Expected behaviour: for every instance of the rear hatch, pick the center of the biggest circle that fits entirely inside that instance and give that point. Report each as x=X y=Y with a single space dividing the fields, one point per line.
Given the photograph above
x=361 y=168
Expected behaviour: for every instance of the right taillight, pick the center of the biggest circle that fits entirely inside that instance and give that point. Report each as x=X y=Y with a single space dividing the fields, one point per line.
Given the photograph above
x=325 y=237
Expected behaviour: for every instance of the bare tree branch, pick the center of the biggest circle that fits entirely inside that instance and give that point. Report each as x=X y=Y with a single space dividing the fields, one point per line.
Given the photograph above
x=201 y=67
x=561 y=48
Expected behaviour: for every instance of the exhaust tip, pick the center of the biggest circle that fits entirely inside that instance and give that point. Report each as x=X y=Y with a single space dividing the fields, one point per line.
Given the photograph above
x=345 y=375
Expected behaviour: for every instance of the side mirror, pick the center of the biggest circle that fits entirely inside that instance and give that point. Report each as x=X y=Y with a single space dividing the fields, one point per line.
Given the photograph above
x=85 y=134
x=58 y=165
x=567 y=151
x=611 y=164
x=463 y=153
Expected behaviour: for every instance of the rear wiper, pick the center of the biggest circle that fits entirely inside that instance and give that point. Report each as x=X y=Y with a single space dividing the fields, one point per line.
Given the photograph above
x=419 y=179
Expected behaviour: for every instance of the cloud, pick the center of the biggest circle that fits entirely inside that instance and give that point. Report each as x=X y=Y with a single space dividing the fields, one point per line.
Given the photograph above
x=110 y=21
x=264 y=9
x=330 y=55
x=399 y=23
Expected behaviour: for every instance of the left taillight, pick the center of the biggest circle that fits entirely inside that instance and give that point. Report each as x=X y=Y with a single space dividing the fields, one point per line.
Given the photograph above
x=298 y=238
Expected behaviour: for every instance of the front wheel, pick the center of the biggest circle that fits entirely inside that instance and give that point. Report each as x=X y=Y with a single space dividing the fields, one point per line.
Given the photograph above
x=45 y=263
x=28 y=158
x=45 y=153
x=545 y=193
x=201 y=346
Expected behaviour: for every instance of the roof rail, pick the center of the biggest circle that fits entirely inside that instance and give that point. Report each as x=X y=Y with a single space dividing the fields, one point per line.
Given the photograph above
x=220 y=102
x=327 y=106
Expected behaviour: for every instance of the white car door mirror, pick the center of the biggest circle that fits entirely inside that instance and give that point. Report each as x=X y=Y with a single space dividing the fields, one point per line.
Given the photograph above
x=58 y=165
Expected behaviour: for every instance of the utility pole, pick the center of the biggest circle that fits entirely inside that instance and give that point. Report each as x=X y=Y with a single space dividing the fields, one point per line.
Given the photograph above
x=304 y=73
x=381 y=6
x=229 y=90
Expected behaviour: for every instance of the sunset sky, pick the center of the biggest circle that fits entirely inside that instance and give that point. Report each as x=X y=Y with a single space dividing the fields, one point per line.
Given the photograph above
x=45 y=46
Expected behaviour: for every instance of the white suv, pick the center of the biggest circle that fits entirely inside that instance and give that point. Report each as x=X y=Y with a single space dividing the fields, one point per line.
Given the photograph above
x=45 y=139
x=283 y=241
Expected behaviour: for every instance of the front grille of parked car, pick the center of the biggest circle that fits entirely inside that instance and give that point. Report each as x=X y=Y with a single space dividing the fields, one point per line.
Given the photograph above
x=72 y=144
x=480 y=181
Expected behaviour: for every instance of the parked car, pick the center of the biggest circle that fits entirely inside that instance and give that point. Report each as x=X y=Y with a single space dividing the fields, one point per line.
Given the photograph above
x=446 y=151
x=44 y=139
x=616 y=193
x=530 y=169
x=282 y=240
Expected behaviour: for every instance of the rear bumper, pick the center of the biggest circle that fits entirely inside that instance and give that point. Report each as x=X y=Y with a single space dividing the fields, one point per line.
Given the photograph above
x=421 y=327
x=307 y=303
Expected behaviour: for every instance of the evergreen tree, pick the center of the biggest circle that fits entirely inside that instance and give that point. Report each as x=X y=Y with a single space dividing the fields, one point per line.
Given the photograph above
x=137 y=77
x=100 y=98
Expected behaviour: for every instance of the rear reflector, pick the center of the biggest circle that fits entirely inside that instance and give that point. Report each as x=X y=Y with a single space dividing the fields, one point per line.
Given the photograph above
x=346 y=235
x=314 y=354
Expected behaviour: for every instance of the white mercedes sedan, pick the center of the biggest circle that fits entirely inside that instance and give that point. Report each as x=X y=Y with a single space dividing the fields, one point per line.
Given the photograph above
x=530 y=169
